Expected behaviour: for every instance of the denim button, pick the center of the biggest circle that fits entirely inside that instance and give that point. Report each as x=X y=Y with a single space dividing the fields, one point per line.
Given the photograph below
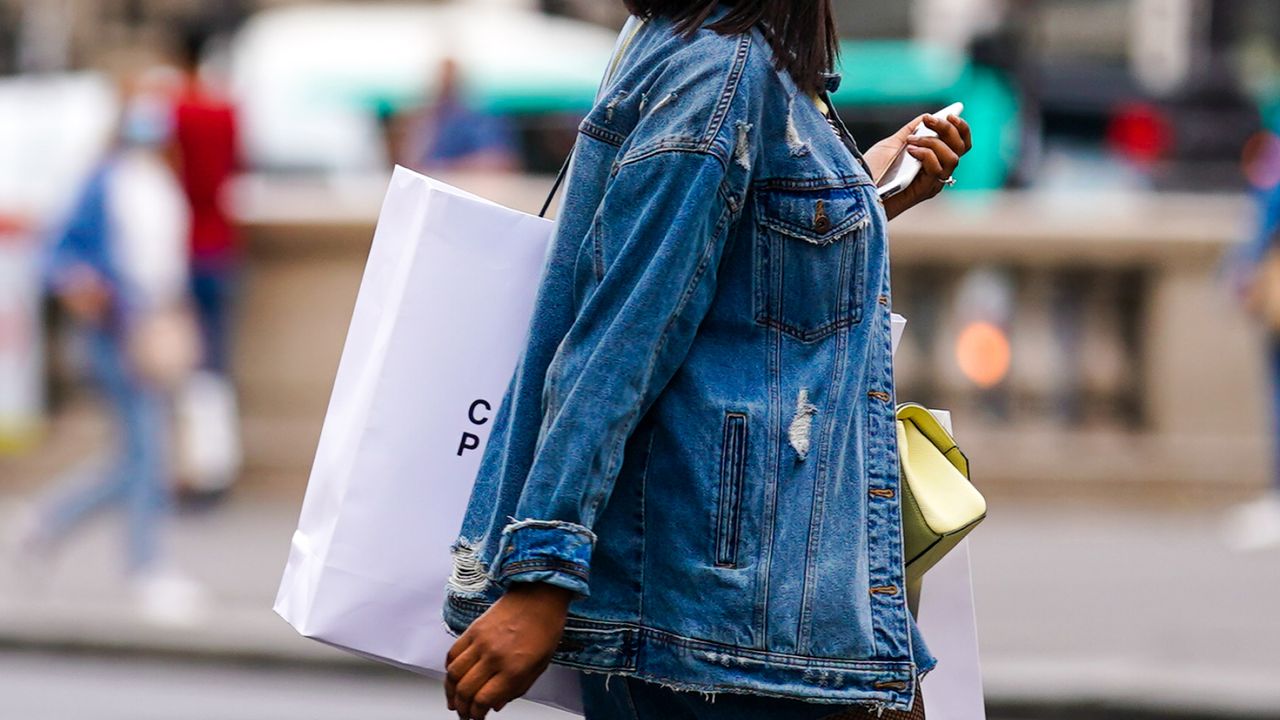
x=821 y=220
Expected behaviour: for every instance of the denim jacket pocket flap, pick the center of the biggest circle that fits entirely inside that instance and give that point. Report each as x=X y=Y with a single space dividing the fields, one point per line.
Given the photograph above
x=819 y=217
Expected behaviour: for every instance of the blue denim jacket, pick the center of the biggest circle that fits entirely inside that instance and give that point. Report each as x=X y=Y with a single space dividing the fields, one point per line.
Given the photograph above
x=699 y=439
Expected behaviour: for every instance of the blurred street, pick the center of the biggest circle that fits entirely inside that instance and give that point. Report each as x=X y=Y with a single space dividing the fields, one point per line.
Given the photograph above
x=54 y=687
x=1082 y=606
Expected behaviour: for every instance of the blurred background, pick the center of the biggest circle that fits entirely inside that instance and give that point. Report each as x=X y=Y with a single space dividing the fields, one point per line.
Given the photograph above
x=1097 y=302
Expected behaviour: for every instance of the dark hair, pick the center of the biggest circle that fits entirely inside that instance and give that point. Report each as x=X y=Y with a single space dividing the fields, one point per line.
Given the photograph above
x=192 y=43
x=802 y=33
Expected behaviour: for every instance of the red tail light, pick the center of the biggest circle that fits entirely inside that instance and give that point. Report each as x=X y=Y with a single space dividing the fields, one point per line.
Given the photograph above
x=1140 y=132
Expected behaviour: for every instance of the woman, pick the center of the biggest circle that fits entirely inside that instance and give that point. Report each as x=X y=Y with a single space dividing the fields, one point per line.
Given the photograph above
x=692 y=483
x=119 y=268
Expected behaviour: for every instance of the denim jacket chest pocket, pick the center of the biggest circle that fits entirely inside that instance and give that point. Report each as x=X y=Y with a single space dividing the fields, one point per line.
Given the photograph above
x=811 y=258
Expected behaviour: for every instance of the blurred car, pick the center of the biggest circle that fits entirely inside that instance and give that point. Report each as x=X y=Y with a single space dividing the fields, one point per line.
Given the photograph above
x=52 y=129
x=312 y=82
x=1154 y=84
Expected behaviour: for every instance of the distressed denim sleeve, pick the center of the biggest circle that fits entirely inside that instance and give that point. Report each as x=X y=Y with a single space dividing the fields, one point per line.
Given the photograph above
x=655 y=248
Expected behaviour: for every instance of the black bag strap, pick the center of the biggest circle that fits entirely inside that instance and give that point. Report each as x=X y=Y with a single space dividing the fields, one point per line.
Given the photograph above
x=629 y=32
x=555 y=187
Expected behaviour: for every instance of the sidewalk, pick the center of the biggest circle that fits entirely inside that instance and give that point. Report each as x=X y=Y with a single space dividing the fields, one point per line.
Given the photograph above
x=1078 y=605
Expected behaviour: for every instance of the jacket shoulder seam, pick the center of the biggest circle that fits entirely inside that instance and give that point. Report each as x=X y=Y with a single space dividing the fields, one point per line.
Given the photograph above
x=730 y=92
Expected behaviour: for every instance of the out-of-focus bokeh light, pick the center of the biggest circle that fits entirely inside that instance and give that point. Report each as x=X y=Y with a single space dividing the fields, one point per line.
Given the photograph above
x=1261 y=160
x=984 y=354
x=1140 y=133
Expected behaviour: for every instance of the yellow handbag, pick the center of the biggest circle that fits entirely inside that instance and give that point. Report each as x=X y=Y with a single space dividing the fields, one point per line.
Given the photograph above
x=940 y=506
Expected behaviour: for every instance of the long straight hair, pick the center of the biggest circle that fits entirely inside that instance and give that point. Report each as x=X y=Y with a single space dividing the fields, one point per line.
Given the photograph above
x=802 y=33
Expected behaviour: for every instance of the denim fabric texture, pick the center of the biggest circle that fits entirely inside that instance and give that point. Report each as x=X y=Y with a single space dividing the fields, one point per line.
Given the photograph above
x=699 y=438
x=608 y=697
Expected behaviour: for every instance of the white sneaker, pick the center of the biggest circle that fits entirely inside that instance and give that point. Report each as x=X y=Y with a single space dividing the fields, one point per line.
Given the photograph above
x=1255 y=525
x=170 y=599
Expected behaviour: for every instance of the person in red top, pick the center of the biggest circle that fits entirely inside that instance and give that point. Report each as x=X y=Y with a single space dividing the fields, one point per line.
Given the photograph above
x=206 y=131
x=206 y=146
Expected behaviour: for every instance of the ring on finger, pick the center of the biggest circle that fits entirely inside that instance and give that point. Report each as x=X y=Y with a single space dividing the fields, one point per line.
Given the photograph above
x=949 y=181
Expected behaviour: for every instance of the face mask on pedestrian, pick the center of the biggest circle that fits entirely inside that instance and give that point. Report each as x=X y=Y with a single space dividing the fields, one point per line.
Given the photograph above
x=147 y=122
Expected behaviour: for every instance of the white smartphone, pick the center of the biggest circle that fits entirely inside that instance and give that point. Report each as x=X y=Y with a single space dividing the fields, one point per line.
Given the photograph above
x=904 y=167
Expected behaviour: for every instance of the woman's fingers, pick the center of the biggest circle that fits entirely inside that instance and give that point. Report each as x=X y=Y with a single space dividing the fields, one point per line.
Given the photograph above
x=465 y=694
x=493 y=696
x=966 y=133
x=937 y=157
x=948 y=132
x=927 y=184
x=458 y=647
x=456 y=670
x=910 y=128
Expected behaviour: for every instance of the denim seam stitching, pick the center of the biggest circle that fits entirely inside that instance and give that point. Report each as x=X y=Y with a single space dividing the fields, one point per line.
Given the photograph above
x=820 y=473
x=665 y=147
x=604 y=135
x=835 y=182
x=611 y=466
x=730 y=91
x=786 y=660
x=644 y=488
x=529 y=566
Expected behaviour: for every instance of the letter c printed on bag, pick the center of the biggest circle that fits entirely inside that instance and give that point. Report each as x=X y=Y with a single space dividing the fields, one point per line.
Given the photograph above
x=471 y=414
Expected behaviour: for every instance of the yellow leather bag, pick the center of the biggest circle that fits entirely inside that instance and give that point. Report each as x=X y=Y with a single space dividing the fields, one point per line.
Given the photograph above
x=940 y=505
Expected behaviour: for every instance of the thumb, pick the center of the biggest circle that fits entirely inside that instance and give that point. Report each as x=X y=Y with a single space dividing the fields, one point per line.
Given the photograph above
x=909 y=128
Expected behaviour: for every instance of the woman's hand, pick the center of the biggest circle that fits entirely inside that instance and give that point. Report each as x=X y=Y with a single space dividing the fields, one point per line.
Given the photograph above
x=939 y=157
x=504 y=651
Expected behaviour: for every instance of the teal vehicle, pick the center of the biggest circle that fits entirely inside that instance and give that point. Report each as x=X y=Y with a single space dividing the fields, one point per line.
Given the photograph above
x=893 y=80
x=886 y=83
x=308 y=109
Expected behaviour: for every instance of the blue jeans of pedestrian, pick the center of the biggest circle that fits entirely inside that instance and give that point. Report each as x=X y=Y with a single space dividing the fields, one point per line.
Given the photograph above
x=214 y=290
x=622 y=698
x=136 y=477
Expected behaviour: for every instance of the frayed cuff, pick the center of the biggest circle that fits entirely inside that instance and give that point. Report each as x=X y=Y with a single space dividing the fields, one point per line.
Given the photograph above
x=548 y=551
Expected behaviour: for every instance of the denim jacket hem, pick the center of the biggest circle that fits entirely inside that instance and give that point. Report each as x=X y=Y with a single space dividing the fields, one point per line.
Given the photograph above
x=672 y=660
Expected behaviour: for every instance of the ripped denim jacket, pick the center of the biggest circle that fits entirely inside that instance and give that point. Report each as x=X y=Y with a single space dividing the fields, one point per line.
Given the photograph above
x=699 y=438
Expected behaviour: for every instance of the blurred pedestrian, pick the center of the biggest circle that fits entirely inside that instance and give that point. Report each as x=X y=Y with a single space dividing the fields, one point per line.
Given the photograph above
x=1256 y=525
x=207 y=157
x=119 y=270
x=692 y=488
x=449 y=134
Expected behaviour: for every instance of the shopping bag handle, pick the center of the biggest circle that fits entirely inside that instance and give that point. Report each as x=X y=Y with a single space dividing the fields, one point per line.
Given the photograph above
x=629 y=32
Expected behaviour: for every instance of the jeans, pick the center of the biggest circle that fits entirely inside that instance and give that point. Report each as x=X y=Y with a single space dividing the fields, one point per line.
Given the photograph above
x=622 y=698
x=136 y=478
x=214 y=289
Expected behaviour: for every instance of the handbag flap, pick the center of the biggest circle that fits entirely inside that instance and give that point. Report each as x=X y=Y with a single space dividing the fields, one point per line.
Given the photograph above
x=936 y=473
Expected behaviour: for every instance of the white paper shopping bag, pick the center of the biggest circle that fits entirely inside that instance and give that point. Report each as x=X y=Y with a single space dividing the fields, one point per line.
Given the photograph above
x=953 y=691
x=441 y=317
